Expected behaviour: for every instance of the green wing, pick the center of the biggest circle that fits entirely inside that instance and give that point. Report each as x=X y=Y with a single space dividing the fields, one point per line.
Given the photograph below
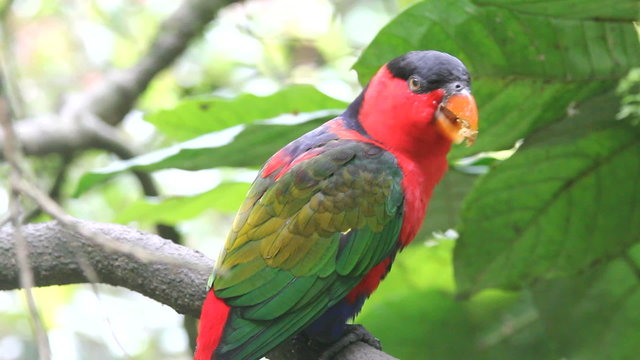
x=299 y=244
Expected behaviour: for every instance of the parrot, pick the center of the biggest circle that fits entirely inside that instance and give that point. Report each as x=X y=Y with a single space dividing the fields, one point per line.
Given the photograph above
x=326 y=215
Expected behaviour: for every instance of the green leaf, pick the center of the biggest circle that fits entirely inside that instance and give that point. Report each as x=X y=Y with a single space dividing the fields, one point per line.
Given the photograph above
x=594 y=315
x=514 y=108
x=427 y=324
x=225 y=197
x=578 y=9
x=446 y=202
x=418 y=294
x=198 y=116
x=567 y=198
x=416 y=316
x=528 y=68
x=629 y=89
x=247 y=145
x=494 y=41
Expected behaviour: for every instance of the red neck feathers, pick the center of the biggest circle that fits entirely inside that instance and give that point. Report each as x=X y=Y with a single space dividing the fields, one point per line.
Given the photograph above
x=402 y=121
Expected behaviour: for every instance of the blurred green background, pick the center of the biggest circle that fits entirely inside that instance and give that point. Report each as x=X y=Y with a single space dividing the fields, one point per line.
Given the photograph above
x=529 y=250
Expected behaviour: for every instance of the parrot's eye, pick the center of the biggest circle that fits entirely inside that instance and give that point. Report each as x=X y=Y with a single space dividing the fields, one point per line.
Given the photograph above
x=414 y=84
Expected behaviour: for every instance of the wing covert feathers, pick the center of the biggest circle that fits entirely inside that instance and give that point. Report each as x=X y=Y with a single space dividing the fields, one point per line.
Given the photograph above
x=303 y=239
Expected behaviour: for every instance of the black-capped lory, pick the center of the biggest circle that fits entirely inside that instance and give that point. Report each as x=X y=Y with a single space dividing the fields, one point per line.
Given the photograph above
x=326 y=215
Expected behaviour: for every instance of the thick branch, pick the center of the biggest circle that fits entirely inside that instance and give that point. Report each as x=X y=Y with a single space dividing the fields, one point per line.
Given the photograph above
x=115 y=97
x=112 y=99
x=55 y=254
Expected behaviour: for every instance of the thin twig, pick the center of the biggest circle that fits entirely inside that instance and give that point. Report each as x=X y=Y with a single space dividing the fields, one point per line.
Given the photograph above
x=106 y=136
x=54 y=263
x=26 y=275
x=19 y=182
x=183 y=289
x=8 y=63
x=11 y=150
x=56 y=187
x=107 y=320
x=109 y=102
x=56 y=212
x=115 y=96
x=111 y=99
x=19 y=185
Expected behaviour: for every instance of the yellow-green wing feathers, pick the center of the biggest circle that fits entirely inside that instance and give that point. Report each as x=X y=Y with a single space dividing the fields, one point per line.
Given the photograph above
x=300 y=243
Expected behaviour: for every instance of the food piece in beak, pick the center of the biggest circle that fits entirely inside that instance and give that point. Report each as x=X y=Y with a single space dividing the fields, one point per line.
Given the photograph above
x=457 y=118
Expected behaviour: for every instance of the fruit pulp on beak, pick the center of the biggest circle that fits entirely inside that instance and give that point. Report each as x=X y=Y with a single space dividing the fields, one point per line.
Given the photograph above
x=457 y=118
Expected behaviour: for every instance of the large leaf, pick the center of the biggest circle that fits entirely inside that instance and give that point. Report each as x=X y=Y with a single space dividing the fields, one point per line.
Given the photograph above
x=595 y=315
x=247 y=145
x=202 y=115
x=427 y=324
x=496 y=41
x=225 y=197
x=514 y=108
x=414 y=312
x=446 y=202
x=578 y=9
x=416 y=316
x=528 y=67
x=567 y=198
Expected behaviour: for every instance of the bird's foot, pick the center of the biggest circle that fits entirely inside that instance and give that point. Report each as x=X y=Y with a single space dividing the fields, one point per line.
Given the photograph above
x=353 y=333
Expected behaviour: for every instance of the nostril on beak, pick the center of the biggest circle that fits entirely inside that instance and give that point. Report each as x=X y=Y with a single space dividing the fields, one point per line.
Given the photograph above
x=455 y=87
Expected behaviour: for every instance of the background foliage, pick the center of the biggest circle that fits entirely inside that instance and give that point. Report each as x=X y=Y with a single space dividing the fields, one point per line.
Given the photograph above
x=530 y=247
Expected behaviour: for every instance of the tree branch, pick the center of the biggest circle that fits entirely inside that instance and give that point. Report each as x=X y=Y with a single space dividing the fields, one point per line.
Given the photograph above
x=105 y=136
x=113 y=98
x=11 y=148
x=87 y=120
x=53 y=250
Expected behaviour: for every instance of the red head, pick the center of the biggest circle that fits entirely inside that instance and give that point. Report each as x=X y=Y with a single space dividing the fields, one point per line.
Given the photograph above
x=419 y=102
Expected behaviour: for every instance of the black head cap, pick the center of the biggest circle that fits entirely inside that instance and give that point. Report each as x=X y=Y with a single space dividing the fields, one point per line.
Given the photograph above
x=434 y=69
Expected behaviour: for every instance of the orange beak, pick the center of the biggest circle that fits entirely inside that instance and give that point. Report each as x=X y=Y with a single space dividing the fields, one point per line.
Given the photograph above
x=457 y=118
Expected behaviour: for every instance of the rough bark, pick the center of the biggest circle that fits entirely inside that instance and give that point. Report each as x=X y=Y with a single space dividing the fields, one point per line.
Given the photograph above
x=56 y=256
